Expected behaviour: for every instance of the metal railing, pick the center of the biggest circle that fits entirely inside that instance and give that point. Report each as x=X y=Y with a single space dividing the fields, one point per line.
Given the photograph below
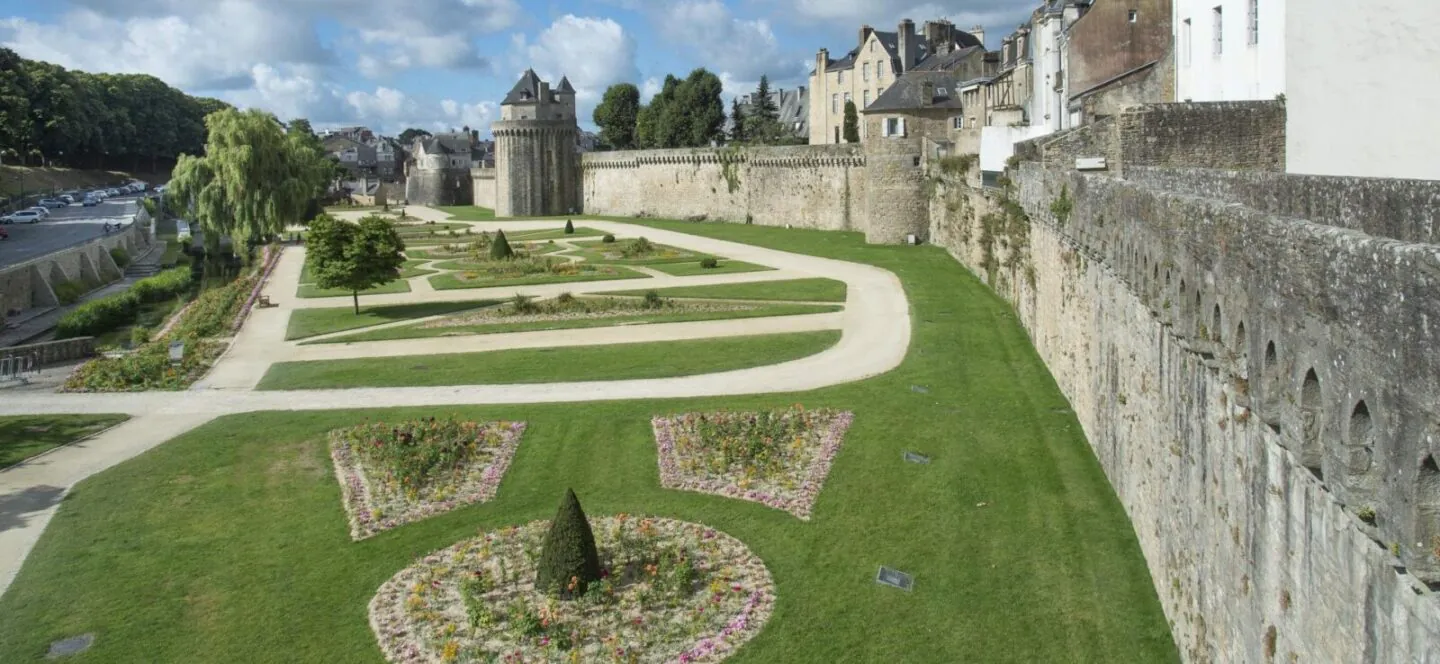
x=17 y=368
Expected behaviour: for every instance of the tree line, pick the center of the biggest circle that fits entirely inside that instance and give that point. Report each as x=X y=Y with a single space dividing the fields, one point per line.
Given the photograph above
x=688 y=113
x=51 y=116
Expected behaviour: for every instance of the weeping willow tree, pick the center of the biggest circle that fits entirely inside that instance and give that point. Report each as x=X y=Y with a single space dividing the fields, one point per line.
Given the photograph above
x=254 y=179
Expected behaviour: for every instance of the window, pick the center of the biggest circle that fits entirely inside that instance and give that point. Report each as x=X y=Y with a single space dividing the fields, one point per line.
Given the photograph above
x=834 y=103
x=837 y=133
x=865 y=72
x=959 y=122
x=847 y=97
x=841 y=75
x=940 y=92
x=1219 y=27
x=872 y=46
x=1134 y=16
x=867 y=98
x=1254 y=22
x=894 y=126
x=879 y=71
x=1185 y=43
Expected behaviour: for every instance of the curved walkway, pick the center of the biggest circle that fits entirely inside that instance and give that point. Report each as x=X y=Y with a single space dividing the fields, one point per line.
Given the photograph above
x=875 y=329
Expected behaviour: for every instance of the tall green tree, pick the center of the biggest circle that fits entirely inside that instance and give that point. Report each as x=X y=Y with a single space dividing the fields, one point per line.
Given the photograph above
x=852 y=123
x=253 y=180
x=354 y=257
x=763 y=104
x=407 y=137
x=686 y=113
x=617 y=115
x=737 y=121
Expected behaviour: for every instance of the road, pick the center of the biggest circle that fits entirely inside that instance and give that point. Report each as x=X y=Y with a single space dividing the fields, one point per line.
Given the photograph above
x=65 y=227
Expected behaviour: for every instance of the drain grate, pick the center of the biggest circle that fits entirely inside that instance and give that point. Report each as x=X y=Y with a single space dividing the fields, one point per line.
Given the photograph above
x=71 y=646
x=895 y=579
x=916 y=457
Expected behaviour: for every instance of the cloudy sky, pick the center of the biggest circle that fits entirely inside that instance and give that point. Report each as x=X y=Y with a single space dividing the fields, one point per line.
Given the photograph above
x=437 y=64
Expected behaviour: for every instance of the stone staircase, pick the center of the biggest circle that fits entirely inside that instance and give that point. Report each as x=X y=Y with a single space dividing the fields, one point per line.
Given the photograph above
x=146 y=265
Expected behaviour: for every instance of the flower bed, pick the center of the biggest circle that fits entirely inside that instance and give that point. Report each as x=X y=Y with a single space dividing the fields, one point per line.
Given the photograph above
x=780 y=459
x=578 y=308
x=393 y=474
x=672 y=591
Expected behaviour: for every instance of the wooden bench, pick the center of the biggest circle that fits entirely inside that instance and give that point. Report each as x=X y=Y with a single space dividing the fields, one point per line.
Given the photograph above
x=265 y=301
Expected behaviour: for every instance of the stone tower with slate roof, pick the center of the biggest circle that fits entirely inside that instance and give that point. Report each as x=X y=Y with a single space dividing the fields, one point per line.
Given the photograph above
x=537 y=163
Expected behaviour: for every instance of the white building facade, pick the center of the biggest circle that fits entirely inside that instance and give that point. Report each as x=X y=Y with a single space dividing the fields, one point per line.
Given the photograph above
x=1232 y=50
x=1051 y=94
x=1363 y=89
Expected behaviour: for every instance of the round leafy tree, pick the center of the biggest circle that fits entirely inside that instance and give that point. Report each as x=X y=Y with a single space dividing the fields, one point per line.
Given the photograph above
x=569 y=562
x=500 y=247
x=569 y=227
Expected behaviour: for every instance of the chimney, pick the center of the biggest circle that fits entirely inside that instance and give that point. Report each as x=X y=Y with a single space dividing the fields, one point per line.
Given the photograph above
x=907 y=45
x=822 y=60
x=979 y=32
x=927 y=94
x=865 y=31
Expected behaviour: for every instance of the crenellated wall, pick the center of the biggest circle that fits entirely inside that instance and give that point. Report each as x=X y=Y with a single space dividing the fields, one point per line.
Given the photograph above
x=484 y=187
x=1261 y=390
x=804 y=186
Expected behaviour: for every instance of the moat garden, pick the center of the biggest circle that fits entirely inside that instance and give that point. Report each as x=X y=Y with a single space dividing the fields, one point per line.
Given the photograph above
x=749 y=523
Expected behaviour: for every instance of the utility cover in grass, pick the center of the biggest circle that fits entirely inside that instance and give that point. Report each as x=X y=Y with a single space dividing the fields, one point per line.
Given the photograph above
x=393 y=473
x=776 y=458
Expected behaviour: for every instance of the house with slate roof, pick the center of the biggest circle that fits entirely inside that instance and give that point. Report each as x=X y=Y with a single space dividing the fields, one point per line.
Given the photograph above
x=878 y=62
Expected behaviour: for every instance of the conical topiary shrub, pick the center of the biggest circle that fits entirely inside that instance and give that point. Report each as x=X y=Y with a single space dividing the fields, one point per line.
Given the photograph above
x=569 y=227
x=569 y=563
x=500 y=247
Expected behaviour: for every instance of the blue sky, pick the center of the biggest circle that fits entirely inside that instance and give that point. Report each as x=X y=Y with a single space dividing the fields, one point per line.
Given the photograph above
x=438 y=64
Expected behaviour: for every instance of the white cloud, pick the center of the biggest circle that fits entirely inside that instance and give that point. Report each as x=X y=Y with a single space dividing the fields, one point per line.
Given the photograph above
x=475 y=116
x=739 y=48
x=593 y=52
x=650 y=88
x=182 y=51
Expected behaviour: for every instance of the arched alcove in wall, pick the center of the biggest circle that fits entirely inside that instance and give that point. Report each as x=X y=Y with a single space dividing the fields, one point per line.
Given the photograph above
x=1312 y=425
x=1215 y=328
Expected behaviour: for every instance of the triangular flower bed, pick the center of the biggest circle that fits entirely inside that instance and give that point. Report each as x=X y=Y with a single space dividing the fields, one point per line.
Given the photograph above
x=395 y=473
x=777 y=458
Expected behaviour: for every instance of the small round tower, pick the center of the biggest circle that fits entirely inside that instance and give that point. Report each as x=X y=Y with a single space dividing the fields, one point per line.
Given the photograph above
x=537 y=166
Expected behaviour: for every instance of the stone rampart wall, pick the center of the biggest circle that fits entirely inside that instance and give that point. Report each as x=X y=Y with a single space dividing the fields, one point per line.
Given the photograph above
x=31 y=283
x=804 y=186
x=1262 y=392
x=447 y=186
x=484 y=187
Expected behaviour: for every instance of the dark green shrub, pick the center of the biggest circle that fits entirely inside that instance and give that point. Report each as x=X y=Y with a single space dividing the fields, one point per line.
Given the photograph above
x=98 y=316
x=709 y=263
x=521 y=304
x=500 y=247
x=69 y=292
x=120 y=256
x=139 y=336
x=653 y=300
x=569 y=227
x=569 y=561
x=608 y=239
x=565 y=298
x=637 y=248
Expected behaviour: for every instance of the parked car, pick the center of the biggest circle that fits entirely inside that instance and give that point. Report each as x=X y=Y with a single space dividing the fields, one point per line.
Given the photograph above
x=44 y=211
x=91 y=201
x=68 y=198
x=22 y=217
x=53 y=203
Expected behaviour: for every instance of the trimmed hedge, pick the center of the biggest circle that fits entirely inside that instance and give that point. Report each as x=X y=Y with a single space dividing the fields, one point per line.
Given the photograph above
x=120 y=256
x=69 y=292
x=98 y=316
x=569 y=561
x=164 y=286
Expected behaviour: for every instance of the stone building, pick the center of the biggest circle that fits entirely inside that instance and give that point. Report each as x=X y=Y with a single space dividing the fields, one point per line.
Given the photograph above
x=1119 y=57
x=537 y=162
x=792 y=110
x=876 y=63
x=438 y=171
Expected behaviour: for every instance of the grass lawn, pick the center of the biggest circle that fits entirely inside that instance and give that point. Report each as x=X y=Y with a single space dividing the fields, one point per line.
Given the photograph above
x=553 y=234
x=312 y=322
x=452 y=281
x=411 y=268
x=726 y=266
x=595 y=252
x=24 y=436
x=800 y=290
x=545 y=365
x=630 y=318
x=311 y=290
x=230 y=544
x=467 y=212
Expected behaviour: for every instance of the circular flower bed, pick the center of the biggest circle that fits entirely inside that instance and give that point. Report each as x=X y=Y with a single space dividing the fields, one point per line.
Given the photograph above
x=672 y=591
